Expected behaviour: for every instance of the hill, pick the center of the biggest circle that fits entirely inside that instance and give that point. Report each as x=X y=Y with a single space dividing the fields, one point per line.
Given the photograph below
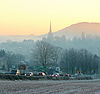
x=76 y=30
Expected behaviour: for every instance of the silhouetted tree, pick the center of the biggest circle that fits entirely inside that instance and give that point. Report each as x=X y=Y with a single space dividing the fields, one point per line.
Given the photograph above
x=45 y=54
x=73 y=61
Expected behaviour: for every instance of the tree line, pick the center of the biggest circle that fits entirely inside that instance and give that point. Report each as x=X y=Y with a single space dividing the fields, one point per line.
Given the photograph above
x=46 y=57
x=9 y=60
x=73 y=61
x=69 y=60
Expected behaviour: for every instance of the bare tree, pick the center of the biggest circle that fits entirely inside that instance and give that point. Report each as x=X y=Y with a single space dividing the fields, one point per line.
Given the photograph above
x=73 y=61
x=45 y=54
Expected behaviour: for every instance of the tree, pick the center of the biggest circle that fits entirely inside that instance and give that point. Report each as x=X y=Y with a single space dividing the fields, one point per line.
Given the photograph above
x=73 y=61
x=2 y=53
x=45 y=55
x=13 y=60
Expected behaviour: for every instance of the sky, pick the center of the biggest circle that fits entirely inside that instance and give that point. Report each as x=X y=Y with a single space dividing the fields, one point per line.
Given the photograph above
x=25 y=17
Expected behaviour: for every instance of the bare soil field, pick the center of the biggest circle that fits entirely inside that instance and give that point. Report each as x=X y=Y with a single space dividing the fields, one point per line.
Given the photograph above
x=50 y=87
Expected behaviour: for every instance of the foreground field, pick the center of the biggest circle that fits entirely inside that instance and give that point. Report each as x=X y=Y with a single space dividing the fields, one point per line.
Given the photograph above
x=50 y=87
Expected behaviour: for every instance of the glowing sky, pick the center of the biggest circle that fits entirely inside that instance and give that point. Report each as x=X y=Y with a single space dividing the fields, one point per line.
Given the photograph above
x=20 y=17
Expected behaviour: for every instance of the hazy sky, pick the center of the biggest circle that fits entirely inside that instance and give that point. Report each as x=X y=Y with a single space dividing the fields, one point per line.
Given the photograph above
x=20 y=17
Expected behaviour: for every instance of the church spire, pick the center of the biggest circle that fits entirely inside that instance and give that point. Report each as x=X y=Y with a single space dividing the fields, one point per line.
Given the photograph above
x=50 y=30
x=50 y=35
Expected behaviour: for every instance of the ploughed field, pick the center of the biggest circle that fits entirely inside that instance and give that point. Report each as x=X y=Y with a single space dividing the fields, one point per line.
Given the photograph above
x=50 y=87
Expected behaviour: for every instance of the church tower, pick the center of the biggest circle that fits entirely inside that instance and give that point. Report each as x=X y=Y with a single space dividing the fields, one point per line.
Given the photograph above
x=83 y=36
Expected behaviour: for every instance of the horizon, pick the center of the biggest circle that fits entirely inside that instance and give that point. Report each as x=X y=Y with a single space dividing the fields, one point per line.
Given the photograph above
x=53 y=31
x=23 y=17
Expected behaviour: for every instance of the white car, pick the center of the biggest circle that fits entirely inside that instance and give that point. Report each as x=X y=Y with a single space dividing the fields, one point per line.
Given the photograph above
x=55 y=75
x=29 y=74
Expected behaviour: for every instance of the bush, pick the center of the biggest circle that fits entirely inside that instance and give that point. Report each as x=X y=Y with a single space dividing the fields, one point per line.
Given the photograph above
x=22 y=77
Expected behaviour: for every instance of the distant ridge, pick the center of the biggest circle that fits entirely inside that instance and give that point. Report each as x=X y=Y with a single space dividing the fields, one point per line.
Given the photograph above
x=75 y=30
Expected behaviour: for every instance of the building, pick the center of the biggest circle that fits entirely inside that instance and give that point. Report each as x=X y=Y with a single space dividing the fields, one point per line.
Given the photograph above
x=83 y=36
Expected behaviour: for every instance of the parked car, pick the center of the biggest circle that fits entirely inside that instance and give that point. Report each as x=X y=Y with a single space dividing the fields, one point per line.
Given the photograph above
x=61 y=74
x=68 y=75
x=42 y=74
x=12 y=72
x=29 y=74
x=55 y=75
